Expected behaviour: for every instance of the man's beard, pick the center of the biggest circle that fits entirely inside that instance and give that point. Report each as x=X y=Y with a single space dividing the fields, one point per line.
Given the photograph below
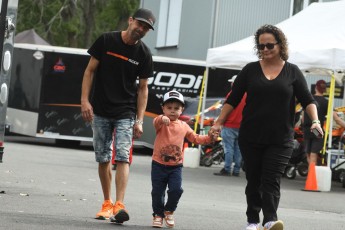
x=136 y=35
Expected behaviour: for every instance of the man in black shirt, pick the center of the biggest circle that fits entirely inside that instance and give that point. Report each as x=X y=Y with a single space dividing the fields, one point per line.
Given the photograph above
x=118 y=60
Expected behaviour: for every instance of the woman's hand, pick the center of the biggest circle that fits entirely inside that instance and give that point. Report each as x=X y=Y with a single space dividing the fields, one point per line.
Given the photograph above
x=214 y=131
x=318 y=127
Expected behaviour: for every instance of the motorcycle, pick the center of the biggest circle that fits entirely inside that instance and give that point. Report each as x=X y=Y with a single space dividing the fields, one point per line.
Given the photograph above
x=212 y=154
x=298 y=161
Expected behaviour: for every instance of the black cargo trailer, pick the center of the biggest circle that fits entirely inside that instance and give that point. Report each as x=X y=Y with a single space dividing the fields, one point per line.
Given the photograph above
x=45 y=91
x=8 y=16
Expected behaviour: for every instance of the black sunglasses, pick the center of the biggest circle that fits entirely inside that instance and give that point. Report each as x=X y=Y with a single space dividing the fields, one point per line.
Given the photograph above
x=268 y=45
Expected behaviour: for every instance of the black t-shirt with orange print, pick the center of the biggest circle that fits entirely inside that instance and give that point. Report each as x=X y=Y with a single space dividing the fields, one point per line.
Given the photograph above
x=115 y=88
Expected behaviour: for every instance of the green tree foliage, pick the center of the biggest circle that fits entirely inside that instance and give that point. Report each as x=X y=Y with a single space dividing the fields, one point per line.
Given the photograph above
x=74 y=23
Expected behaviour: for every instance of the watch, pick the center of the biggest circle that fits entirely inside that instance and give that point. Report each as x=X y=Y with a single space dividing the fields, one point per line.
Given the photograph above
x=139 y=122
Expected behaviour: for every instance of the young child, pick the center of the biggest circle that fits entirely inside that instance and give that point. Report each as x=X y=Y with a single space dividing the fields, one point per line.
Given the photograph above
x=167 y=158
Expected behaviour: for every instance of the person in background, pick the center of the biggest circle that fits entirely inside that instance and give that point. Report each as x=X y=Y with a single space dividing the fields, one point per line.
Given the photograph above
x=118 y=60
x=338 y=119
x=167 y=158
x=229 y=136
x=266 y=133
x=313 y=144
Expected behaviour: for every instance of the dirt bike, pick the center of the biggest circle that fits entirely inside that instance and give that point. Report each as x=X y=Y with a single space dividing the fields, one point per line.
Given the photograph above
x=212 y=154
x=298 y=161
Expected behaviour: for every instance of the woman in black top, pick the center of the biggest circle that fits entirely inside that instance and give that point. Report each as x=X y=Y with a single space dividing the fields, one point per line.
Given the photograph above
x=266 y=132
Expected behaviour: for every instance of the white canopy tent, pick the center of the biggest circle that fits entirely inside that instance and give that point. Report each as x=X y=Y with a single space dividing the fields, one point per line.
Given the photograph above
x=316 y=38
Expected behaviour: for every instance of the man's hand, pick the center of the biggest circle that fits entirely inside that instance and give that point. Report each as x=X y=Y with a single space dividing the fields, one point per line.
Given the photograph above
x=137 y=130
x=87 y=111
x=214 y=130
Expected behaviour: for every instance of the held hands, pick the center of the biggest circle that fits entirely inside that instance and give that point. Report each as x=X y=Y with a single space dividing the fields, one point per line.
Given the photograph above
x=214 y=132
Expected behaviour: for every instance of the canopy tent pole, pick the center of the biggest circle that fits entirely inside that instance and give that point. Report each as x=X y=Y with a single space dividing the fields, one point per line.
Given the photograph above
x=205 y=80
x=329 y=120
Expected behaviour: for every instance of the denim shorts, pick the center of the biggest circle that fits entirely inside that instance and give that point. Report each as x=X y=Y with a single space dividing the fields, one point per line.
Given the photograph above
x=103 y=133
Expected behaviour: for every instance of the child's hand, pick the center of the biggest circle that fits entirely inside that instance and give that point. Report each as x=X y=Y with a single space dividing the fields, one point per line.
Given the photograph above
x=165 y=120
x=215 y=137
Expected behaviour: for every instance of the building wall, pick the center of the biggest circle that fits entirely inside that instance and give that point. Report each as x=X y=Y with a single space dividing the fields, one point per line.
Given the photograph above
x=195 y=30
x=212 y=23
x=238 y=19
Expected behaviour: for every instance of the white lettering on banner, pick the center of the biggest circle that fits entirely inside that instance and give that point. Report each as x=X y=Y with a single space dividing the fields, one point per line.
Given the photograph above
x=165 y=75
x=198 y=82
x=181 y=77
x=161 y=88
x=165 y=80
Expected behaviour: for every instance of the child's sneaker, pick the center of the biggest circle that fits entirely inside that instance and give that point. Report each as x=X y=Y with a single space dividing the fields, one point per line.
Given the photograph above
x=253 y=226
x=274 y=225
x=157 y=221
x=169 y=219
x=120 y=213
x=106 y=211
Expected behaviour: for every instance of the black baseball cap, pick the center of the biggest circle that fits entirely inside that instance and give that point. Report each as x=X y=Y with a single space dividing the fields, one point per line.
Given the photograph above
x=145 y=15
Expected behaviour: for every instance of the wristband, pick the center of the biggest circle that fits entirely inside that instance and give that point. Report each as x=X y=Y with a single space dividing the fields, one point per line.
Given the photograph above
x=315 y=122
x=139 y=122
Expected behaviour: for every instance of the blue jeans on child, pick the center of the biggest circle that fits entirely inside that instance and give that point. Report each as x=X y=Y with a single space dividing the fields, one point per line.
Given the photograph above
x=162 y=177
x=231 y=149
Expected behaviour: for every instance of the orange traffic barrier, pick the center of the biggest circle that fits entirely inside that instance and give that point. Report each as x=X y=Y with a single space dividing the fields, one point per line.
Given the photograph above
x=185 y=145
x=311 y=183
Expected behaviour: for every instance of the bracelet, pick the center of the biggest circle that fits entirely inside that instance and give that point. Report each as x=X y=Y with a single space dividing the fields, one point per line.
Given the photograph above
x=315 y=122
x=139 y=122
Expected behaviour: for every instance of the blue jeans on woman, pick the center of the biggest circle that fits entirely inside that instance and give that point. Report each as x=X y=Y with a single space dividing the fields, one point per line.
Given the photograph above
x=231 y=149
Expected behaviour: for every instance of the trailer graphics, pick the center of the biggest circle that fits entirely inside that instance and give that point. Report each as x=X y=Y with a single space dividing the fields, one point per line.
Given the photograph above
x=45 y=91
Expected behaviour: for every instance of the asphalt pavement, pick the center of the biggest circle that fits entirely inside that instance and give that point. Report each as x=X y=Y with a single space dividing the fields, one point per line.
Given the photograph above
x=43 y=186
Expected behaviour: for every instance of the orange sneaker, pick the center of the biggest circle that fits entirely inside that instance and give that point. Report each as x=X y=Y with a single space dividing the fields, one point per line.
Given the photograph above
x=106 y=211
x=120 y=213
x=169 y=219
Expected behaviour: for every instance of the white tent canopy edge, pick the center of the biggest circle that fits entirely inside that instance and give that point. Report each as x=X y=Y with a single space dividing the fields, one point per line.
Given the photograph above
x=316 y=38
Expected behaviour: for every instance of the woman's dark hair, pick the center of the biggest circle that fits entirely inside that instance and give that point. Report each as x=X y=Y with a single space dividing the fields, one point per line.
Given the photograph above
x=278 y=35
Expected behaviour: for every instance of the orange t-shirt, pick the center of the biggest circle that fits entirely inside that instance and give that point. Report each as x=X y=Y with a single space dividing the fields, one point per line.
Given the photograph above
x=168 y=146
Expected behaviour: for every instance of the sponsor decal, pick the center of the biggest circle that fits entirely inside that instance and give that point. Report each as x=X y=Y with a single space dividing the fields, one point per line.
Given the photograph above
x=59 y=67
x=123 y=58
x=167 y=81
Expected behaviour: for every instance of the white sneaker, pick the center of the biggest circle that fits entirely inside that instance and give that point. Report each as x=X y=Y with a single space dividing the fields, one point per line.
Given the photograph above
x=253 y=226
x=169 y=219
x=157 y=222
x=274 y=225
